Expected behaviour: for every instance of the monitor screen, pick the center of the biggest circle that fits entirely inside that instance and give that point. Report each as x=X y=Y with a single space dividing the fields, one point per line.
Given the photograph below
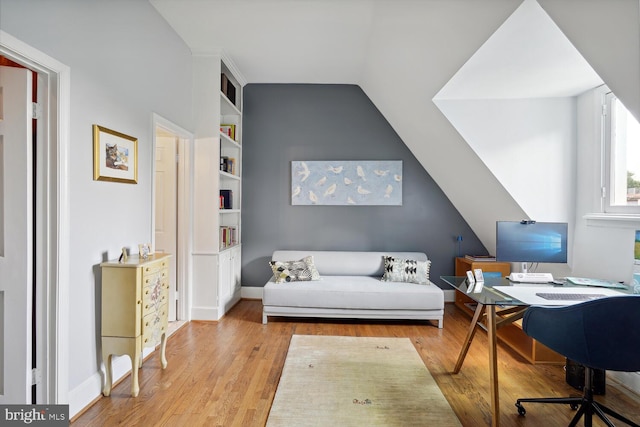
x=530 y=241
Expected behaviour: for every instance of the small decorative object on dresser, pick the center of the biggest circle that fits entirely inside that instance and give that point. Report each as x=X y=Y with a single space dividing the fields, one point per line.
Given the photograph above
x=135 y=294
x=144 y=249
x=123 y=255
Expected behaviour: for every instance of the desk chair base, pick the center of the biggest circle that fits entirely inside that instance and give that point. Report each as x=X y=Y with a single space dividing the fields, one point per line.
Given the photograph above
x=585 y=404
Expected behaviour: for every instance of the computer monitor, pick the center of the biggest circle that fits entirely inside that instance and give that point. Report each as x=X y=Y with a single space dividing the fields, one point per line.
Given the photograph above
x=531 y=242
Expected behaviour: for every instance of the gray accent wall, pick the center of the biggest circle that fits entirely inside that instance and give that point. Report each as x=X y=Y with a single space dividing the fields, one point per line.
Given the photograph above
x=286 y=122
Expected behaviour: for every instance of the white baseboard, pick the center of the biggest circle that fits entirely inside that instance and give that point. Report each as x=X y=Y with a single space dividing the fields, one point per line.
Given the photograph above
x=251 y=292
x=630 y=380
x=204 y=313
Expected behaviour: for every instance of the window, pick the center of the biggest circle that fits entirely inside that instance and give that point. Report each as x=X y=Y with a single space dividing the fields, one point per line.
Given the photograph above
x=621 y=181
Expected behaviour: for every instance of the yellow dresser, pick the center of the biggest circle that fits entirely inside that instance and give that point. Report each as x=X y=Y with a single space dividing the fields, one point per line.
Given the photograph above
x=134 y=311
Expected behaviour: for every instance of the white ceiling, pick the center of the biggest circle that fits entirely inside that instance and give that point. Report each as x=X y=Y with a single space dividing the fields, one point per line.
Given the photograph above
x=278 y=41
x=327 y=41
x=402 y=53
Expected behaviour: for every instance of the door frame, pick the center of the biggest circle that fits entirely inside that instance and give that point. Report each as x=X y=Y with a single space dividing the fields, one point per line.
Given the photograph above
x=184 y=186
x=53 y=290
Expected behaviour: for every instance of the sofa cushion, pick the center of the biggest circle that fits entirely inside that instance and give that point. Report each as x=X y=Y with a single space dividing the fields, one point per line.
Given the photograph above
x=354 y=292
x=406 y=270
x=294 y=271
x=347 y=263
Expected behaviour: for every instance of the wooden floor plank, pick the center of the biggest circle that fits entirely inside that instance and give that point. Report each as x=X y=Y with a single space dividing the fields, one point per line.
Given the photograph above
x=226 y=373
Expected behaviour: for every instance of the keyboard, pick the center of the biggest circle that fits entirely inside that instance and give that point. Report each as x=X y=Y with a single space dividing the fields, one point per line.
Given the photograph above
x=555 y=296
x=531 y=277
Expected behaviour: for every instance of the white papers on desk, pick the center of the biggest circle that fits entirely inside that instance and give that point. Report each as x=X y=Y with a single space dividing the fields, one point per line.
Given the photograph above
x=527 y=294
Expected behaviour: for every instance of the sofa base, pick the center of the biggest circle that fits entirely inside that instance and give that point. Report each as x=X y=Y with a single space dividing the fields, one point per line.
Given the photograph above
x=436 y=315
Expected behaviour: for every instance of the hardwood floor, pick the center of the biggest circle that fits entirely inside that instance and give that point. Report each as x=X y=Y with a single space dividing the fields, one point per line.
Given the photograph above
x=225 y=374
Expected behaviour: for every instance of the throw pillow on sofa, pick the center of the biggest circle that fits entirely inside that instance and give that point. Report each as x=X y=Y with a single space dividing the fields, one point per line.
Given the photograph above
x=406 y=270
x=294 y=271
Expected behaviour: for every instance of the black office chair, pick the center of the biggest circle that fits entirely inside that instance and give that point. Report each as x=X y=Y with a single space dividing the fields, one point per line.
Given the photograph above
x=599 y=334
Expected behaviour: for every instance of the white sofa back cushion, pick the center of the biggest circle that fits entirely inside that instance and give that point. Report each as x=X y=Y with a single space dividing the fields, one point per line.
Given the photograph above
x=347 y=263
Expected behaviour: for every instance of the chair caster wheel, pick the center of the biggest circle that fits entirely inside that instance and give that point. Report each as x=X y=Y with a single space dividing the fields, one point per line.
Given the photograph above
x=521 y=410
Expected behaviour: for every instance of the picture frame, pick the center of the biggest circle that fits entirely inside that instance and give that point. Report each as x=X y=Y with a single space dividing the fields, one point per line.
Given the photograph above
x=144 y=250
x=346 y=182
x=115 y=156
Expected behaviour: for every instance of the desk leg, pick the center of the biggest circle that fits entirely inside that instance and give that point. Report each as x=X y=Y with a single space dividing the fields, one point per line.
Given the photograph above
x=470 y=333
x=493 y=365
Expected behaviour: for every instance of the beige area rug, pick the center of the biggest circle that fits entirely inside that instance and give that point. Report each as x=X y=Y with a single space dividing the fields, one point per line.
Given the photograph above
x=357 y=381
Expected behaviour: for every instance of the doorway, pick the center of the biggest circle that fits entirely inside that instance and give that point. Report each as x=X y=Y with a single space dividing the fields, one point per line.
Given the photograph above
x=170 y=203
x=51 y=241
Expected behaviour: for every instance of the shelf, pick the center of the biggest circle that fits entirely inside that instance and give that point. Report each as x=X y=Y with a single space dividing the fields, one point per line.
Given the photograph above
x=225 y=139
x=227 y=107
x=229 y=176
x=228 y=248
x=229 y=211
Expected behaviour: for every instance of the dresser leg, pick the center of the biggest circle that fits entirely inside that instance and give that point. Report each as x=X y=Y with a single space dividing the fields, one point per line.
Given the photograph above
x=108 y=379
x=135 y=388
x=163 y=346
x=135 y=366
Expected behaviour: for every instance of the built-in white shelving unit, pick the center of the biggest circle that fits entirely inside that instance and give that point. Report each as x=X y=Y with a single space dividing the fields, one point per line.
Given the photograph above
x=217 y=186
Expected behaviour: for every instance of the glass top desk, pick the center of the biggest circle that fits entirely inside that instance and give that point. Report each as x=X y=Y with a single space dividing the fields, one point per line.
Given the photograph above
x=500 y=303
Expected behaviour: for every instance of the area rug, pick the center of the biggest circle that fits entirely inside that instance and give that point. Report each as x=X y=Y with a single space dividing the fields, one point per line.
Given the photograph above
x=357 y=381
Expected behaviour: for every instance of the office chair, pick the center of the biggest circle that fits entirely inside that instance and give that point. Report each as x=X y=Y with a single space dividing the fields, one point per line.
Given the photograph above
x=599 y=334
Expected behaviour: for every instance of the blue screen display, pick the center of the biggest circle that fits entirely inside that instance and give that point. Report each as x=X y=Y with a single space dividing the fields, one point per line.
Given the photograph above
x=531 y=241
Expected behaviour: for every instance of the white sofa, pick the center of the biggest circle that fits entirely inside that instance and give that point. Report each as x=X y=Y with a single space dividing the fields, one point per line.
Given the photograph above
x=350 y=286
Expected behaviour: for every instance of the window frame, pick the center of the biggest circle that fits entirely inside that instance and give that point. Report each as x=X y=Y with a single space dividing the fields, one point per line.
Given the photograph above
x=609 y=160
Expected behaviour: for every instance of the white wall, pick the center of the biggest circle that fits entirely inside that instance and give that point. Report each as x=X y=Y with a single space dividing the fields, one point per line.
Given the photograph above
x=126 y=63
x=528 y=144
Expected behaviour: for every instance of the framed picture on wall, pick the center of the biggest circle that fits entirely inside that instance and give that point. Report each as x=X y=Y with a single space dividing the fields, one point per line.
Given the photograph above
x=346 y=182
x=115 y=156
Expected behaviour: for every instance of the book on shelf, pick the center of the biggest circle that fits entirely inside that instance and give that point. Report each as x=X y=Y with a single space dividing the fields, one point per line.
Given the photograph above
x=480 y=258
x=228 y=236
x=228 y=164
x=224 y=83
x=227 y=199
x=228 y=88
x=229 y=130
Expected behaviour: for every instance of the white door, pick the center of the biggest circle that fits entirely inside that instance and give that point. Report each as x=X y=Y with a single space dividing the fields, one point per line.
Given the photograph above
x=166 y=208
x=16 y=233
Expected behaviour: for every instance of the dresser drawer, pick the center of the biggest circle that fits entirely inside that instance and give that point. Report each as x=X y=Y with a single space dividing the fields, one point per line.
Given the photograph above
x=154 y=295
x=154 y=267
x=153 y=326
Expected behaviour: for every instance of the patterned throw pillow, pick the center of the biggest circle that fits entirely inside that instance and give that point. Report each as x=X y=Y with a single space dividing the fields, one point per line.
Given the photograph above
x=406 y=270
x=294 y=271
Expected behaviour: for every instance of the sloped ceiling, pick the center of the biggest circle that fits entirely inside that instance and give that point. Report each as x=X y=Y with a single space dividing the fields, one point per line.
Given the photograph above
x=527 y=57
x=403 y=52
